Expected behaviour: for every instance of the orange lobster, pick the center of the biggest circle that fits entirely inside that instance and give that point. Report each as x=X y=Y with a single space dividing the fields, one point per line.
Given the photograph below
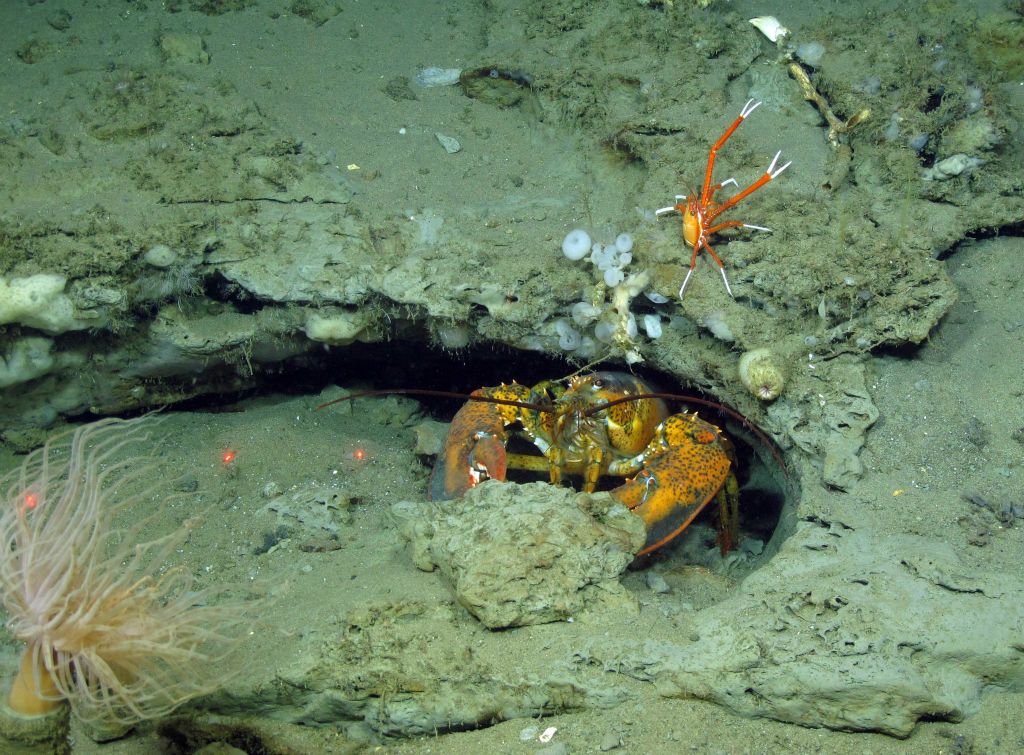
x=699 y=212
x=602 y=423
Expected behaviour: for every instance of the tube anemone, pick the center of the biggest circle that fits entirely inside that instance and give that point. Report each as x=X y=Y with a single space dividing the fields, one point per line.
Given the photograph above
x=106 y=626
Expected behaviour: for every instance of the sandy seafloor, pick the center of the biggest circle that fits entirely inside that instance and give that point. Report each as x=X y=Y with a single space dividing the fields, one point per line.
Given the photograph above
x=951 y=409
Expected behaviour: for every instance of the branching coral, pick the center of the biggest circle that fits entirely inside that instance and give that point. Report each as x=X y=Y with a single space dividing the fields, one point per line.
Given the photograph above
x=106 y=626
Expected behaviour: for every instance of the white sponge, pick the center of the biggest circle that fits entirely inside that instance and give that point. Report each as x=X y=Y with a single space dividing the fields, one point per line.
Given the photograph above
x=38 y=301
x=26 y=359
x=337 y=329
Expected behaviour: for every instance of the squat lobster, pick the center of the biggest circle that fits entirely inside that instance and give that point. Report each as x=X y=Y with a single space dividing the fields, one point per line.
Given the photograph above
x=699 y=212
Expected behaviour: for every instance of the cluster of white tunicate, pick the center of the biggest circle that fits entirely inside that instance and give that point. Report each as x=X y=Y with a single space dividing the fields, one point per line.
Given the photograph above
x=610 y=259
x=605 y=318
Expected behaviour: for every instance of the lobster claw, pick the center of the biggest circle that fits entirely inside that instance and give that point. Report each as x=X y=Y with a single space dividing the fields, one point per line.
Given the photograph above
x=474 y=451
x=463 y=466
x=687 y=466
x=487 y=458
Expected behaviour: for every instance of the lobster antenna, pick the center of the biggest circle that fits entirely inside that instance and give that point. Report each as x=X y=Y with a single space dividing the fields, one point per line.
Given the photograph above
x=588 y=366
x=550 y=408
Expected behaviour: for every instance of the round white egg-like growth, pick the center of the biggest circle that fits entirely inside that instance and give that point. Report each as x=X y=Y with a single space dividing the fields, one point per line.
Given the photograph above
x=716 y=322
x=603 y=256
x=613 y=276
x=335 y=329
x=811 y=53
x=161 y=256
x=452 y=336
x=576 y=244
x=652 y=325
x=587 y=348
x=583 y=313
x=604 y=331
x=624 y=242
x=568 y=337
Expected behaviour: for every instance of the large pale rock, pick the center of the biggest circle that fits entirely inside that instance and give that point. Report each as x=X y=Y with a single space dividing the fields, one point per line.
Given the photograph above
x=525 y=554
x=847 y=630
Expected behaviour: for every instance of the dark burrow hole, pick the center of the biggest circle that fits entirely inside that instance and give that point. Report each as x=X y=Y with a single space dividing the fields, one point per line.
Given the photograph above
x=408 y=364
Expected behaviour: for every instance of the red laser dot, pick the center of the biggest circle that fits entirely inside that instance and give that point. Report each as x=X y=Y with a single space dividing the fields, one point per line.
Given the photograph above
x=359 y=454
x=31 y=501
x=228 y=456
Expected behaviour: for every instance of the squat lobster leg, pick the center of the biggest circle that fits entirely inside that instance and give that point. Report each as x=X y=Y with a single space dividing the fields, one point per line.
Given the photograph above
x=699 y=211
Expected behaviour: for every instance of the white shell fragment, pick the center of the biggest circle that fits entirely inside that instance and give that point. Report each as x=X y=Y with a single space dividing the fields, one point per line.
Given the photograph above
x=950 y=167
x=652 y=325
x=450 y=143
x=770 y=27
x=438 y=77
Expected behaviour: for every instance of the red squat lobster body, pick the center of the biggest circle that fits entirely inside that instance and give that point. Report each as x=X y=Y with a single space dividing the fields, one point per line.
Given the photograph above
x=699 y=211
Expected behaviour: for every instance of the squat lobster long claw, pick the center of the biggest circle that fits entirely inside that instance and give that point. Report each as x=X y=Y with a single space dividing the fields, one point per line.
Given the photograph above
x=700 y=211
